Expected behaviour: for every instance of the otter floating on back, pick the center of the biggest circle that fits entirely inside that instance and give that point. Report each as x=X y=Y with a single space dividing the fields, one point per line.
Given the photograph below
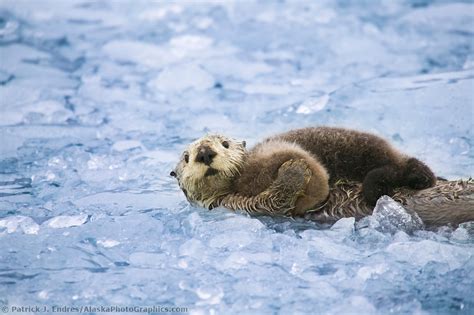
x=296 y=172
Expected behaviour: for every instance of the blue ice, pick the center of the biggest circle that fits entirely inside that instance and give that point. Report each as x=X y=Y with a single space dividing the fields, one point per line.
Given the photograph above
x=98 y=99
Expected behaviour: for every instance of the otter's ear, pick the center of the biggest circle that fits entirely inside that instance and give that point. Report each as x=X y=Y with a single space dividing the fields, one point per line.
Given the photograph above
x=172 y=173
x=244 y=143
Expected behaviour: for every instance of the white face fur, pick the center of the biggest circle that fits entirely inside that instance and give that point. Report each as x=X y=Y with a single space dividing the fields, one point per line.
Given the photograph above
x=207 y=167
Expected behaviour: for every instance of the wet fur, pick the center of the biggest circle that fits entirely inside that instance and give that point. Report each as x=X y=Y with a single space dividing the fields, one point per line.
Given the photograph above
x=446 y=203
x=363 y=157
x=339 y=153
x=261 y=169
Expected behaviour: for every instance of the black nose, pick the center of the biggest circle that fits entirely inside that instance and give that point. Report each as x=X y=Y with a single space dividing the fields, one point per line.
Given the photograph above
x=205 y=155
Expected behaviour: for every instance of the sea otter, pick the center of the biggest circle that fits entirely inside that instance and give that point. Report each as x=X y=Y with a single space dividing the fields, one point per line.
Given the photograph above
x=291 y=173
x=446 y=203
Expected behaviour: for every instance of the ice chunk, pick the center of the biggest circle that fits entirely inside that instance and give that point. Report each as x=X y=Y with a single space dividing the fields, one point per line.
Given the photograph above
x=19 y=223
x=182 y=77
x=108 y=243
x=367 y=272
x=209 y=295
x=190 y=43
x=43 y=294
x=343 y=227
x=192 y=247
x=146 y=259
x=390 y=217
x=236 y=68
x=426 y=251
x=354 y=305
x=98 y=99
x=161 y=13
x=312 y=105
x=232 y=240
x=464 y=233
x=65 y=221
x=139 y=52
x=154 y=55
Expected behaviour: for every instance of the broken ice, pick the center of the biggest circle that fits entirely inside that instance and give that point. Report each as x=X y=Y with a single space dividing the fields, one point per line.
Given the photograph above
x=98 y=100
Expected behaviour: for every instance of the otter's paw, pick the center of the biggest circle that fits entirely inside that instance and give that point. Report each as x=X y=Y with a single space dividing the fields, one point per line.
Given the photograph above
x=418 y=175
x=377 y=183
x=294 y=171
x=374 y=191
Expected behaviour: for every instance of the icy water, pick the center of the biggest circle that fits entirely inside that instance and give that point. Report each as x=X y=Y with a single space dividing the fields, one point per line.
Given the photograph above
x=98 y=99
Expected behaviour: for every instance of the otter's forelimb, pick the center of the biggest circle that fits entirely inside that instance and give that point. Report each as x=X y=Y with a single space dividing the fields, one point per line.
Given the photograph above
x=282 y=195
x=381 y=181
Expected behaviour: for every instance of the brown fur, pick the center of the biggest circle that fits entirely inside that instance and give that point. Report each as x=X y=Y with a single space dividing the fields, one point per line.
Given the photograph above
x=447 y=203
x=261 y=169
x=359 y=156
x=215 y=167
x=247 y=173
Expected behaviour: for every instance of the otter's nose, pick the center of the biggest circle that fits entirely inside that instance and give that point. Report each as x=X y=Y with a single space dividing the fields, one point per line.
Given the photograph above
x=205 y=155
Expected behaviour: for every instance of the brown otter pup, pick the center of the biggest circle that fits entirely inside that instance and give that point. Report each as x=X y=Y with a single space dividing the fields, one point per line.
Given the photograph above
x=288 y=173
x=360 y=156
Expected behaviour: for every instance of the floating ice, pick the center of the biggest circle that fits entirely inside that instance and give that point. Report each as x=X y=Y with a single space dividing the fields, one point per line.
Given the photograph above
x=65 y=221
x=138 y=52
x=390 y=216
x=182 y=77
x=19 y=223
x=146 y=259
x=312 y=105
x=428 y=251
x=159 y=14
x=236 y=68
x=108 y=243
x=99 y=99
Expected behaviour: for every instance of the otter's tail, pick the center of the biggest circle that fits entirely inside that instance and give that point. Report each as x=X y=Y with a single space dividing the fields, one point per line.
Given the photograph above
x=447 y=203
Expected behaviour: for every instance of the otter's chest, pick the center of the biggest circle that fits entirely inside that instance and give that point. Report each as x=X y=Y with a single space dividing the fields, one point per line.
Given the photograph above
x=257 y=174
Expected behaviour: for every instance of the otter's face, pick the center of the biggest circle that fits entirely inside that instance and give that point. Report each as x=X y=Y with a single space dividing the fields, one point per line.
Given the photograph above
x=207 y=168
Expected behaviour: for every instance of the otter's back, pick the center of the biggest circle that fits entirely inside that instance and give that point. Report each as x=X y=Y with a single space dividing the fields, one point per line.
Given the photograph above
x=345 y=153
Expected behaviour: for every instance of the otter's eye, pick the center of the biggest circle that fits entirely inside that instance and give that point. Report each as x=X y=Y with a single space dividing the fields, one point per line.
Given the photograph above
x=173 y=174
x=186 y=158
x=225 y=144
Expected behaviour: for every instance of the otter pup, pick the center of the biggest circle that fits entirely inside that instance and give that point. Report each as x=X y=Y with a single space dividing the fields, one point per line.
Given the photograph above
x=290 y=173
x=363 y=157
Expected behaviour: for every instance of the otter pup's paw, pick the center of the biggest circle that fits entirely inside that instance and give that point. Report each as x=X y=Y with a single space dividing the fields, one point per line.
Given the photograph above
x=418 y=175
x=295 y=174
x=378 y=182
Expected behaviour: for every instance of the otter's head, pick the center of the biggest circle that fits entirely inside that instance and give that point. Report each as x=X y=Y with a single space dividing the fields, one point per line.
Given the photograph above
x=208 y=167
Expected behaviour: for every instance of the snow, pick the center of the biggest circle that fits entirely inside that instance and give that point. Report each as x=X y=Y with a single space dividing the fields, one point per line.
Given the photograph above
x=98 y=100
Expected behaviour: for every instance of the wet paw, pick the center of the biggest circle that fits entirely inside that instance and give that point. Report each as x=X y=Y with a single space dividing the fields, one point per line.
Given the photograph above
x=379 y=182
x=374 y=192
x=295 y=173
x=293 y=166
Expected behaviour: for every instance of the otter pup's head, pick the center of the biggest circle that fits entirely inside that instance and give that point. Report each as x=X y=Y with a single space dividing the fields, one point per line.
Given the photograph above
x=208 y=167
